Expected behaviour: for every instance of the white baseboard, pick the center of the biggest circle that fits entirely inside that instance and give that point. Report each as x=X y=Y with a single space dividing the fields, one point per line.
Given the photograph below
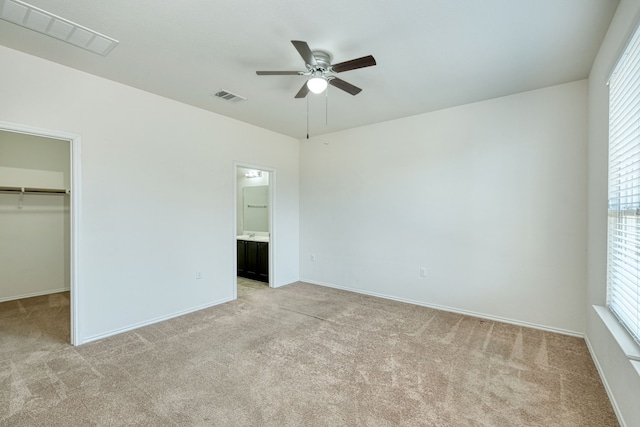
x=614 y=404
x=451 y=309
x=34 y=294
x=152 y=321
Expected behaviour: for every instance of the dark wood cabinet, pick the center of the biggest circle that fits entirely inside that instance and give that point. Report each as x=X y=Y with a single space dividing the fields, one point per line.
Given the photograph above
x=263 y=262
x=241 y=257
x=253 y=260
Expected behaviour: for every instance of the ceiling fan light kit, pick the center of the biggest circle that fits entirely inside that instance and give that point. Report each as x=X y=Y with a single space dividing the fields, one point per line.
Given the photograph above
x=317 y=84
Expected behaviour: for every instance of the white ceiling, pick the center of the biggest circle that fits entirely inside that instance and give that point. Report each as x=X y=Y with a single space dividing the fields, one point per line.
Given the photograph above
x=431 y=54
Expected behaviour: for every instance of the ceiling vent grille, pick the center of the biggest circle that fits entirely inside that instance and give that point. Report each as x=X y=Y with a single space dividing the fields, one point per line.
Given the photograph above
x=44 y=22
x=228 y=96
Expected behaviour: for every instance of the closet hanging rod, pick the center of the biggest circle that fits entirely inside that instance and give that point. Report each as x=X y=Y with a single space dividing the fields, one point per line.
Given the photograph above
x=30 y=190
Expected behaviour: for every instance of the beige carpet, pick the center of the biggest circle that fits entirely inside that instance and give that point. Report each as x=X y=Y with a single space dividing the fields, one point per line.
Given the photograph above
x=301 y=355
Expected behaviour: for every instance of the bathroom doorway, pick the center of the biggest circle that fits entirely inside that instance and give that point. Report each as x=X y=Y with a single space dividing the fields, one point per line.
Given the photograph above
x=253 y=228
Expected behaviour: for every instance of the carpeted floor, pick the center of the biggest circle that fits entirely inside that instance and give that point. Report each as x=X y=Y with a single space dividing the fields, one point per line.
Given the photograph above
x=301 y=355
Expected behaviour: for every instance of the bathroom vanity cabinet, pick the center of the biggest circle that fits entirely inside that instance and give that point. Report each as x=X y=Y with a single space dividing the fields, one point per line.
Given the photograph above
x=253 y=260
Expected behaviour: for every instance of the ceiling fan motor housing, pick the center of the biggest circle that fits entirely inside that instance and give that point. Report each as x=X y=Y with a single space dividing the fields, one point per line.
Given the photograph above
x=323 y=60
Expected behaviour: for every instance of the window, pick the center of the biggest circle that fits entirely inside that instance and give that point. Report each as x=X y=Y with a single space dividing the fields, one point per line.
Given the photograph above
x=623 y=263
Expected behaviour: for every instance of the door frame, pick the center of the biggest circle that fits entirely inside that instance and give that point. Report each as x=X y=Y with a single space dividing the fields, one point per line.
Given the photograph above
x=74 y=214
x=272 y=222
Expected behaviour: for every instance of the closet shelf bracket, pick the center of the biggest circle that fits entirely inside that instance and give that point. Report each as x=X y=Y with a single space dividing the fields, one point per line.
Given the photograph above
x=21 y=198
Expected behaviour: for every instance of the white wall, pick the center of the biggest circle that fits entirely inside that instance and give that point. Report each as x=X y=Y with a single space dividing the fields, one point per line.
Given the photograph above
x=34 y=232
x=157 y=191
x=489 y=197
x=622 y=380
x=51 y=156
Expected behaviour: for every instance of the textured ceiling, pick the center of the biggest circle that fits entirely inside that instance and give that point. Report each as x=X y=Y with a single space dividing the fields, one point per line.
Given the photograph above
x=431 y=54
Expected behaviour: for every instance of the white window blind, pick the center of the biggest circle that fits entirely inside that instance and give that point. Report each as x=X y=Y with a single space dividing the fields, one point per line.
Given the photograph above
x=623 y=264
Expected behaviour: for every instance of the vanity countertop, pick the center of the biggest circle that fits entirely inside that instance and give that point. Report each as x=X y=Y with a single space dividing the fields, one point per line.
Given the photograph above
x=253 y=238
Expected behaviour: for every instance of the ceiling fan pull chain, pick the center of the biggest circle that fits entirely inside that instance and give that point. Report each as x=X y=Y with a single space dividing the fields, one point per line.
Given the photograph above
x=326 y=107
x=307 y=117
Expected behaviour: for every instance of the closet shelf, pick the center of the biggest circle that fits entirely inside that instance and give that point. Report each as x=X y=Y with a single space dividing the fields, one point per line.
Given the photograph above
x=33 y=190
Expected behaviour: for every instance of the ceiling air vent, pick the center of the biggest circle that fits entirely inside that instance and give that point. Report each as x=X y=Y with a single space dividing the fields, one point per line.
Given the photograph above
x=228 y=96
x=21 y=13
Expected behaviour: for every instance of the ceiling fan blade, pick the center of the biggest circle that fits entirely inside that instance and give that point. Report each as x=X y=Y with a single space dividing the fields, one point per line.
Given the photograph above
x=279 y=73
x=347 y=87
x=304 y=90
x=365 y=61
x=304 y=51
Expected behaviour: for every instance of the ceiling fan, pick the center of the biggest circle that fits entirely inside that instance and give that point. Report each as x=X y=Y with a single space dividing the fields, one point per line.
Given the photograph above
x=319 y=66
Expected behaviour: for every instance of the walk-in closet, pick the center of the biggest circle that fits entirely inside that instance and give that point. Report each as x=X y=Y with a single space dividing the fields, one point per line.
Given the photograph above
x=35 y=235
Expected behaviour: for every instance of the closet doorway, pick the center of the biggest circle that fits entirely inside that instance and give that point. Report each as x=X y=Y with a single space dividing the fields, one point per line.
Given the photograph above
x=37 y=238
x=253 y=234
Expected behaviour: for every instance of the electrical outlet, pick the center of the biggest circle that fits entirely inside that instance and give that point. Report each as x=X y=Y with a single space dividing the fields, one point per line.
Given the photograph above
x=423 y=272
x=198 y=275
